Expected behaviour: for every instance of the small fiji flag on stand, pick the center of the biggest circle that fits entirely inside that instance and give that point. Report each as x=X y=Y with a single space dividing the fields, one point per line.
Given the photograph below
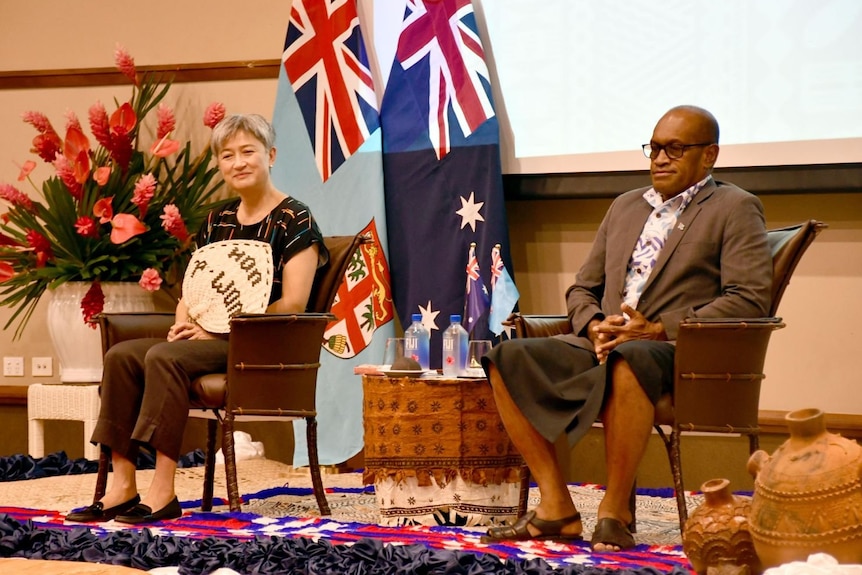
x=476 y=300
x=504 y=294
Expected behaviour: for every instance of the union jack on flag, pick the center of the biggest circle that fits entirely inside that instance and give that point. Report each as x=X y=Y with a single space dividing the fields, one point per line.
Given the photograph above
x=446 y=32
x=325 y=59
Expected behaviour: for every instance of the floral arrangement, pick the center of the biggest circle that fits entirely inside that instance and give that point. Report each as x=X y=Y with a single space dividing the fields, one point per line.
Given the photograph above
x=109 y=212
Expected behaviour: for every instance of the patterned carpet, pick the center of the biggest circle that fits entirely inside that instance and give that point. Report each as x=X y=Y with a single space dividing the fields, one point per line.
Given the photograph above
x=280 y=506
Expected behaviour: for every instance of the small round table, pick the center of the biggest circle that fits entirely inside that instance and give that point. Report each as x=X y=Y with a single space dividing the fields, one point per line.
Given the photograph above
x=437 y=452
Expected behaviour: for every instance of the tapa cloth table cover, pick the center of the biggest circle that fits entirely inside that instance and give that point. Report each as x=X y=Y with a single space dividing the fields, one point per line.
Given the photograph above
x=437 y=452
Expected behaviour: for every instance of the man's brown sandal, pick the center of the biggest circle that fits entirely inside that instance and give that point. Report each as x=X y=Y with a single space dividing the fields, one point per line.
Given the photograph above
x=548 y=530
x=610 y=531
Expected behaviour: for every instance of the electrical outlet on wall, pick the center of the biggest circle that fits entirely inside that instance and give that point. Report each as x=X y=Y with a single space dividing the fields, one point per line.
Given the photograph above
x=42 y=366
x=13 y=366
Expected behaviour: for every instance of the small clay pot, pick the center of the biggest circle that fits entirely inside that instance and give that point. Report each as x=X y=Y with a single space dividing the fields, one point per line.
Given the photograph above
x=807 y=495
x=716 y=538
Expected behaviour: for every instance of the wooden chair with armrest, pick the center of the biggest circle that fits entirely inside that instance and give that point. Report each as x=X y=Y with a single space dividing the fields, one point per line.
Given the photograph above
x=718 y=363
x=264 y=381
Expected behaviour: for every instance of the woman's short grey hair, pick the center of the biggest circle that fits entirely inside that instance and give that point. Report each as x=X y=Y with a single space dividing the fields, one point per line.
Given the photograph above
x=253 y=124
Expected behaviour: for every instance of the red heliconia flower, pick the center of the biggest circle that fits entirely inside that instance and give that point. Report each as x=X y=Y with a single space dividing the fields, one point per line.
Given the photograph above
x=47 y=146
x=99 y=124
x=41 y=247
x=104 y=210
x=16 y=197
x=145 y=189
x=92 y=304
x=125 y=227
x=101 y=175
x=6 y=271
x=126 y=64
x=26 y=169
x=48 y=143
x=86 y=227
x=167 y=122
x=214 y=114
x=66 y=173
x=173 y=223
x=150 y=279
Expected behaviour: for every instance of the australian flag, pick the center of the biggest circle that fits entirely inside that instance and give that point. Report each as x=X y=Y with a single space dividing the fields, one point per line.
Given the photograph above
x=441 y=162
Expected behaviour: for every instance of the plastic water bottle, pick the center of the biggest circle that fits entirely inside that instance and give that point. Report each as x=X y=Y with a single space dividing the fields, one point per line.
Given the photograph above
x=417 y=342
x=455 y=347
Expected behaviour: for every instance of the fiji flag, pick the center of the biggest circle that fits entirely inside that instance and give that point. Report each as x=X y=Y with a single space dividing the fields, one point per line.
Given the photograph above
x=441 y=160
x=476 y=300
x=329 y=156
x=504 y=293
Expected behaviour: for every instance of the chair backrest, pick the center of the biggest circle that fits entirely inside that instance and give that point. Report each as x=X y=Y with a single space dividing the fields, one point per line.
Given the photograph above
x=787 y=246
x=329 y=277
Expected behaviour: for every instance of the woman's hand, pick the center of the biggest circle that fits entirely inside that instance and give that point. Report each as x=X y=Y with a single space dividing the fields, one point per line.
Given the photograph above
x=188 y=330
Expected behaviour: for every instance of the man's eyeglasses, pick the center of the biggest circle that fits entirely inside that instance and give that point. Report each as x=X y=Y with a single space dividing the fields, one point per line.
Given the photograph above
x=674 y=151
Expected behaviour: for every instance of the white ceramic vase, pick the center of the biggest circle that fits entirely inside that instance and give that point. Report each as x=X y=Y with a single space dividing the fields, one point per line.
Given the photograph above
x=78 y=346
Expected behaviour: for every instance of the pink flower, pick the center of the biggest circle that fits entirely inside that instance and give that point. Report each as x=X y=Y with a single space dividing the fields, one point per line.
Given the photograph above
x=125 y=227
x=150 y=279
x=76 y=148
x=173 y=223
x=86 y=227
x=28 y=167
x=167 y=122
x=92 y=304
x=145 y=189
x=104 y=210
x=101 y=175
x=214 y=114
x=41 y=247
x=16 y=197
x=126 y=64
x=39 y=121
x=66 y=173
x=99 y=124
x=6 y=271
x=164 y=147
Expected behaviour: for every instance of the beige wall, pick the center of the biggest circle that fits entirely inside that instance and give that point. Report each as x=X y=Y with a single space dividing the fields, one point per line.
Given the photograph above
x=810 y=364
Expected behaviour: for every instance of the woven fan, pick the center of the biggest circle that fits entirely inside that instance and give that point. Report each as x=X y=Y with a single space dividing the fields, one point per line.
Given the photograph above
x=226 y=278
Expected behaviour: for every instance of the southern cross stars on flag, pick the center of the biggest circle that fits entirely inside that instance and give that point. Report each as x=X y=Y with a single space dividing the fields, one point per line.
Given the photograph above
x=457 y=66
x=327 y=64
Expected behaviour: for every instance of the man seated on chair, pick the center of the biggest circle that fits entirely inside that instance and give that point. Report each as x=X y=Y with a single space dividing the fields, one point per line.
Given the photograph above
x=687 y=246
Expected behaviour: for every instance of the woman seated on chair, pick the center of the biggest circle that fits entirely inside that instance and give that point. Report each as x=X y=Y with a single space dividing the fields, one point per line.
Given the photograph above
x=146 y=382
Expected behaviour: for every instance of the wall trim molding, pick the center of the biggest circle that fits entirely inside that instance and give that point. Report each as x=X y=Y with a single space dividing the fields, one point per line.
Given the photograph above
x=87 y=77
x=760 y=180
x=771 y=421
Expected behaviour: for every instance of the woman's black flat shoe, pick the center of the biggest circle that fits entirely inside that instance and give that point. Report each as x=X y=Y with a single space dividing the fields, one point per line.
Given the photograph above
x=141 y=513
x=96 y=513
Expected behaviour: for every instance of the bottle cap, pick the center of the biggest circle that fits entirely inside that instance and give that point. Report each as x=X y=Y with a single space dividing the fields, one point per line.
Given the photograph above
x=455 y=318
x=416 y=317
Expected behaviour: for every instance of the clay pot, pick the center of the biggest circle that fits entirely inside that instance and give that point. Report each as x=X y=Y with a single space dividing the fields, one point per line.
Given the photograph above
x=716 y=538
x=807 y=495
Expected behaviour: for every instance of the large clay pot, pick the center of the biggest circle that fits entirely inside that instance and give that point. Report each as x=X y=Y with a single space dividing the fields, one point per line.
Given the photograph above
x=807 y=495
x=716 y=538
